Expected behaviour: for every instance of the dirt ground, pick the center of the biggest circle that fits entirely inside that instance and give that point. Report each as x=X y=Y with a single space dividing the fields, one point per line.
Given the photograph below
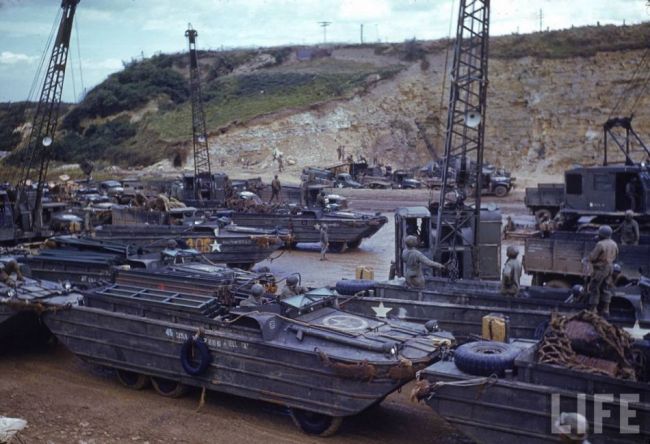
x=67 y=401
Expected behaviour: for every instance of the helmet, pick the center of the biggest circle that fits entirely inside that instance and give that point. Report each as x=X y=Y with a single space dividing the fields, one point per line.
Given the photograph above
x=605 y=232
x=411 y=241
x=616 y=268
x=324 y=227
x=257 y=290
x=292 y=280
x=577 y=289
x=172 y=244
x=512 y=252
x=629 y=214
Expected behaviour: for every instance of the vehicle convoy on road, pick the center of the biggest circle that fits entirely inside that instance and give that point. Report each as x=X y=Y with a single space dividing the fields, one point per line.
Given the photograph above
x=302 y=352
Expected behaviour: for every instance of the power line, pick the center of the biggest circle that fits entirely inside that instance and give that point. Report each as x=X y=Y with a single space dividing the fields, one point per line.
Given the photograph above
x=324 y=25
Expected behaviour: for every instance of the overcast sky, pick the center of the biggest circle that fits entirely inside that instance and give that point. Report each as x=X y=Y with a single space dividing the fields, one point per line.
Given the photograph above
x=111 y=31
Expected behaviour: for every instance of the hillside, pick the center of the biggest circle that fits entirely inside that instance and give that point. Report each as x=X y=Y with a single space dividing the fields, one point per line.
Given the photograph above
x=549 y=94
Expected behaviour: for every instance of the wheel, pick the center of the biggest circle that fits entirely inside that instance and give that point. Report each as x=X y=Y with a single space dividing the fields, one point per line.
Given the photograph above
x=542 y=213
x=336 y=247
x=168 y=388
x=315 y=423
x=500 y=191
x=483 y=358
x=132 y=380
x=355 y=244
x=349 y=287
x=558 y=283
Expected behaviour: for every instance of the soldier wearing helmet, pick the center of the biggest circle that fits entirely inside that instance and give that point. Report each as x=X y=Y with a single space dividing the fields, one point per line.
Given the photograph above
x=292 y=288
x=629 y=230
x=511 y=273
x=602 y=259
x=256 y=297
x=413 y=262
x=7 y=269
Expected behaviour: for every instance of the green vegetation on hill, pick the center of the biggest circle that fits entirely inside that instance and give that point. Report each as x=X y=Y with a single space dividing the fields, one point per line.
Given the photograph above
x=111 y=124
x=12 y=115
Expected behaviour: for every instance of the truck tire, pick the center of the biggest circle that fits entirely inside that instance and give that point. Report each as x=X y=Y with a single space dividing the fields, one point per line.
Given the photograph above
x=354 y=245
x=132 y=380
x=500 y=191
x=541 y=213
x=195 y=356
x=484 y=358
x=350 y=287
x=336 y=247
x=168 y=388
x=315 y=423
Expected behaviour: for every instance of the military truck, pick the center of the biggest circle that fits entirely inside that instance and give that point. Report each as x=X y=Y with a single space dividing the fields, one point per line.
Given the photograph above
x=544 y=200
x=420 y=222
x=558 y=261
x=495 y=181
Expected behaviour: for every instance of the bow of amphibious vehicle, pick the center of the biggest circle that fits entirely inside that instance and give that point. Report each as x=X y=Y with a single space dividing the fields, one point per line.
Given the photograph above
x=302 y=352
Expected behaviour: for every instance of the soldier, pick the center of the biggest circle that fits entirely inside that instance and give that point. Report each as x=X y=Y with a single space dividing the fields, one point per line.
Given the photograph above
x=7 y=269
x=339 y=152
x=629 y=229
x=511 y=274
x=320 y=199
x=413 y=260
x=602 y=259
x=324 y=241
x=292 y=288
x=509 y=226
x=276 y=187
x=545 y=226
x=631 y=192
x=280 y=164
x=255 y=299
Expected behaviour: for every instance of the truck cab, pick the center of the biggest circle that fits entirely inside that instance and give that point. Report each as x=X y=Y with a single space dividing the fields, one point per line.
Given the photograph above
x=420 y=222
x=404 y=180
x=607 y=189
x=345 y=180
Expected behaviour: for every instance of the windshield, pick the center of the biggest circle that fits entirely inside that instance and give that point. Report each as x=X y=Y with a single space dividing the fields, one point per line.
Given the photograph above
x=312 y=297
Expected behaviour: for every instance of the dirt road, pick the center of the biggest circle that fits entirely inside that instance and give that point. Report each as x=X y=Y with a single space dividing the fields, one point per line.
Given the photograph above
x=67 y=401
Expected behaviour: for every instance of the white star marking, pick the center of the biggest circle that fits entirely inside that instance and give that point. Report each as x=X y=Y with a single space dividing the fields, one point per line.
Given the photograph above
x=215 y=246
x=380 y=310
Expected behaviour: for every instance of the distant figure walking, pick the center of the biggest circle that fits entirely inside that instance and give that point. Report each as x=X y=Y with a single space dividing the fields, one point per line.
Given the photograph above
x=276 y=187
x=341 y=152
x=324 y=241
x=280 y=164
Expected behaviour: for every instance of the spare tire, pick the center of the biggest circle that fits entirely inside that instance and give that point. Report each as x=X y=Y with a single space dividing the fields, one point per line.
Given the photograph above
x=195 y=364
x=349 y=287
x=484 y=358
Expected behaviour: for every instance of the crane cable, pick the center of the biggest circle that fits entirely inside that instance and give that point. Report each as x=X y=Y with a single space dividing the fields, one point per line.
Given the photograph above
x=444 y=80
x=26 y=164
x=625 y=95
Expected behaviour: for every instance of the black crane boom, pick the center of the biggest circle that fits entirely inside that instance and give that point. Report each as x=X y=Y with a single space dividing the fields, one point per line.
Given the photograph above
x=47 y=114
x=199 y=131
x=463 y=157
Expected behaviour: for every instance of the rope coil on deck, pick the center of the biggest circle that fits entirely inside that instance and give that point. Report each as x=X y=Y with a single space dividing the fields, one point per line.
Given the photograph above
x=425 y=390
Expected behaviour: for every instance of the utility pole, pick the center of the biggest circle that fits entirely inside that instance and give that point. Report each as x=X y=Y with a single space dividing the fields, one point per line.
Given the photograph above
x=541 y=19
x=361 y=32
x=324 y=25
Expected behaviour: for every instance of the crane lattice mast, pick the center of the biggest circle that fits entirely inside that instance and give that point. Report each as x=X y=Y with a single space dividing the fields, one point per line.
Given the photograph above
x=199 y=132
x=47 y=113
x=463 y=157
